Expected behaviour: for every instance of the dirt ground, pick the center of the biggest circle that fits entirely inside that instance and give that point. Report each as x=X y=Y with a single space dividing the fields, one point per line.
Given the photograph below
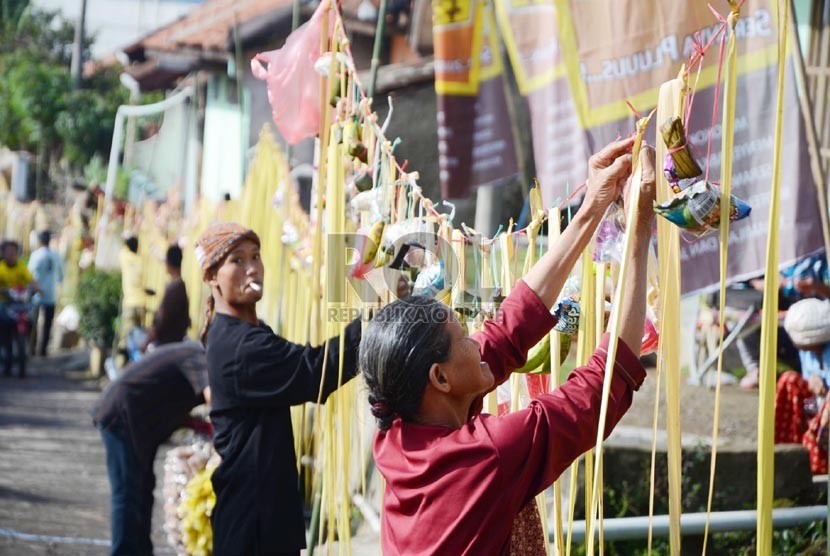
x=738 y=410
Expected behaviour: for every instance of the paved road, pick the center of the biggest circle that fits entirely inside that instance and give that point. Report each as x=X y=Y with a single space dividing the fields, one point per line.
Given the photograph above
x=54 y=493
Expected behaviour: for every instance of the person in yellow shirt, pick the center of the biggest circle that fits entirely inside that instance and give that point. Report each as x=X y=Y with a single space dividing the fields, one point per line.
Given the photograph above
x=13 y=275
x=133 y=292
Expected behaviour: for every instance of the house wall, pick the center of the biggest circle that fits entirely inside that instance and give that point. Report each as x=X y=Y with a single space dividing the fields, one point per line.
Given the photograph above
x=225 y=129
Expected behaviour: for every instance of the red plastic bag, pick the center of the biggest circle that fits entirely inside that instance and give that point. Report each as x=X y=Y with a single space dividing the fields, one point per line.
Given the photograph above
x=650 y=338
x=293 y=84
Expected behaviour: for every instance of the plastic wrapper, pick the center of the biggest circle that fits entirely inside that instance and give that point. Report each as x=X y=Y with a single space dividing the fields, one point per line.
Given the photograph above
x=698 y=209
x=650 y=338
x=567 y=315
x=677 y=183
x=609 y=246
x=430 y=281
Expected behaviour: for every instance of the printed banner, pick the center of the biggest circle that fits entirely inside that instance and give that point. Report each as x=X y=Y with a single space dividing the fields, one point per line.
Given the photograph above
x=578 y=61
x=475 y=140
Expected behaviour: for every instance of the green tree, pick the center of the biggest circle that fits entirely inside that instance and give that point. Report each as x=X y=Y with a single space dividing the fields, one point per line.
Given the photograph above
x=32 y=96
x=85 y=125
x=39 y=111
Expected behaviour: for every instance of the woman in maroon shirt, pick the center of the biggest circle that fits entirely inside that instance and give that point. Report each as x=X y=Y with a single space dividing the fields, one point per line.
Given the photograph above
x=455 y=479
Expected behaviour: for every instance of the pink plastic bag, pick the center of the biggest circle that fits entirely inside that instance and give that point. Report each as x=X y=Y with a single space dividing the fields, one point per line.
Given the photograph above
x=293 y=84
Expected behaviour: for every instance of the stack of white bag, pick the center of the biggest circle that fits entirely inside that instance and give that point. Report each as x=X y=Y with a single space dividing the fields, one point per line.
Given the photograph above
x=180 y=465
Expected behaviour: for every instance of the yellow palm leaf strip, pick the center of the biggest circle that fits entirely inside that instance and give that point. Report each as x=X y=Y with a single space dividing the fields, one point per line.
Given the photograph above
x=316 y=330
x=335 y=211
x=769 y=324
x=459 y=248
x=584 y=348
x=614 y=325
x=671 y=103
x=574 y=476
x=314 y=322
x=599 y=299
x=728 y=126
x=554 y=231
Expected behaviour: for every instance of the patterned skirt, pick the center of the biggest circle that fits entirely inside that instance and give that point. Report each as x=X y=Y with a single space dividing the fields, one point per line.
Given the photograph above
x=793 y=425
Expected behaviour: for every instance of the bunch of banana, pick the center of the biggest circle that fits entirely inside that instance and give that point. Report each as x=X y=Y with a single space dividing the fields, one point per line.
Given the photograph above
x=538 y=358
x=334 y=90
x=195 y=510
x=353 y=139
x=684 y=165
x=371 y=248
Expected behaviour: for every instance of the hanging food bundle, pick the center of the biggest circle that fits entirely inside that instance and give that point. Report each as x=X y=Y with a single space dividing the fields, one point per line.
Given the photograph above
x=680 y=166
x=698 y=209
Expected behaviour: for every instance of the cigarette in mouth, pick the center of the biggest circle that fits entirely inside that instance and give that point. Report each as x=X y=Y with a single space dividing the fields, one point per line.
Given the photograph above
x=256 y=287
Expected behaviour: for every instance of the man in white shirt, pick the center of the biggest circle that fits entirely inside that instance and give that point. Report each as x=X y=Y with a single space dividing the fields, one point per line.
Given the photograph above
x=46 y=267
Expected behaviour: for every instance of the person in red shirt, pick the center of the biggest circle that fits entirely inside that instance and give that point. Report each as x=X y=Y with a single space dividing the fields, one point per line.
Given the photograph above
x=456 y=480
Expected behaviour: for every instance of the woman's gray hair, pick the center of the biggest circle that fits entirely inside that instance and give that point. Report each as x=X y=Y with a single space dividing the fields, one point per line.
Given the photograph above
x=400 y=344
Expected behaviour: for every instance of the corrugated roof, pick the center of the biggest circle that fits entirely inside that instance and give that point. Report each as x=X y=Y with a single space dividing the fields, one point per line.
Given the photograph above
x=207 y=26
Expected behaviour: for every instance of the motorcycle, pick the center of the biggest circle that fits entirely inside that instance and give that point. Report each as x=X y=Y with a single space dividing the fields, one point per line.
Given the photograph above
x=19 y=316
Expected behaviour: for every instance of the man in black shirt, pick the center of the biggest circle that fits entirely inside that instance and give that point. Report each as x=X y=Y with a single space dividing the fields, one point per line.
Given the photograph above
x=172 y=319
x=256 y=376
x=135 y=415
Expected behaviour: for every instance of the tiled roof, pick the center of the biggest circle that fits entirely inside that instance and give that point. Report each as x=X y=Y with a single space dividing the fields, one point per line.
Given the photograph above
x=207 y=26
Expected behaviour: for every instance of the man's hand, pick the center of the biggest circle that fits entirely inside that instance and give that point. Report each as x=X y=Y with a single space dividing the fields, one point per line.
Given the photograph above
x=816 y=386
x=608 y=171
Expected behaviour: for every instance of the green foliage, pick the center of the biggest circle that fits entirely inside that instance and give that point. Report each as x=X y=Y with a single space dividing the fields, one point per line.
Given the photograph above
x=95 y=173
x=32 y=96
x=99 y=295
x=39 y=111
x=86 y=127
x=37 y=34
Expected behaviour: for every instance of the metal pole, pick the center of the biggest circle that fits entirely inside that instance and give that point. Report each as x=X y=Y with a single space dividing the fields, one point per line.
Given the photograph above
x=380 y=30
x=77 y=66
x=629 y=528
